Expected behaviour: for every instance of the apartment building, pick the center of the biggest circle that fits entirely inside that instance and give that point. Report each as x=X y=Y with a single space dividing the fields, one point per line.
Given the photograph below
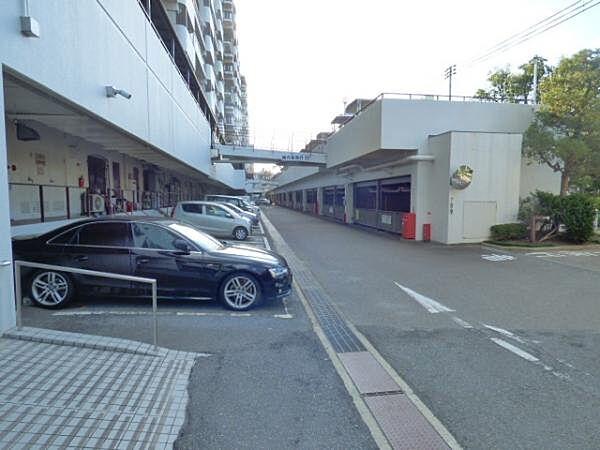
x=206 y=30
x=109 y=107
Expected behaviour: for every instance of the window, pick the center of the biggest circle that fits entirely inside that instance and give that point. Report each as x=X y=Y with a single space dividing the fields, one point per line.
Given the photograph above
x=212 y=210
x=147 y=235
x=365 y=196
x=298 y=196
x=340 y=196
x=328 y=196
x=109 y=234
x=394 y=194
x=65 y=238
x=193 y=208
x=311 y=196
x=202 y=240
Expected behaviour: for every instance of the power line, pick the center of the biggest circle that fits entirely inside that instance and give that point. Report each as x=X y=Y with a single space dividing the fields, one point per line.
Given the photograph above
x=520 y=33
x=521 y=37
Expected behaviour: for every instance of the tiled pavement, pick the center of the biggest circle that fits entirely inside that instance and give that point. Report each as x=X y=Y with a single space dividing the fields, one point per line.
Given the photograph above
x=78 y=391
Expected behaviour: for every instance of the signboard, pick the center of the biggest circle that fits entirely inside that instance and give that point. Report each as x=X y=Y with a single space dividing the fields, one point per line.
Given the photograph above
x=296 y=157
x=386 y=219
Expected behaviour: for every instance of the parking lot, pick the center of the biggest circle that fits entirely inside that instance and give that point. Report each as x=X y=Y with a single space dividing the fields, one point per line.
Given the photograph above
x=267 y=383
x=502 y=329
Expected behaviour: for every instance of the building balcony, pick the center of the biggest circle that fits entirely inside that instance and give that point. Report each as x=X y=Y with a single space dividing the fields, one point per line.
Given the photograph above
x=228 y=6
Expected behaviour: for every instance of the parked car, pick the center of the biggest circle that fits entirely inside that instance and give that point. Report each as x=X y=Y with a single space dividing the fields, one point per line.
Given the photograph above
x=237 y=201
x=217 y=219
x=250 y=215
x=263 y=201
x=186 y=263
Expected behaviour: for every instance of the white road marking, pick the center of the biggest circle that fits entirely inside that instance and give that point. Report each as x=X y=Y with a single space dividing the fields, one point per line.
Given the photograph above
x=503 y=332
x=462 y=323
x=563 y=253
x=163 y=313
x=514 y=349
x=428 y=303
x=498 y=258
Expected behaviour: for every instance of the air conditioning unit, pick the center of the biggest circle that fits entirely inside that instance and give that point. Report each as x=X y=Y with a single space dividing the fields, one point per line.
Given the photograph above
x=96 y=203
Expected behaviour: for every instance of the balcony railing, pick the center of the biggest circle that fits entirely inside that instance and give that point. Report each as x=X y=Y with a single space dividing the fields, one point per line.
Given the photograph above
x=163 y=27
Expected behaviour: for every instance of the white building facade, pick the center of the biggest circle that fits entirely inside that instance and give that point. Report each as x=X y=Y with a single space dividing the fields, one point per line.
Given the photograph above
x=206 y=30
x=102 y=110
x=390 y=165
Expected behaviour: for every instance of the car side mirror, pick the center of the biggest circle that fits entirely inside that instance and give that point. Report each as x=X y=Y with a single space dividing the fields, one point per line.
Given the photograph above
x=182 y=246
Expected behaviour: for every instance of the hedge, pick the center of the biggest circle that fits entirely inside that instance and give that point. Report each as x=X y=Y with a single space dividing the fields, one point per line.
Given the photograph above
x=508 y=231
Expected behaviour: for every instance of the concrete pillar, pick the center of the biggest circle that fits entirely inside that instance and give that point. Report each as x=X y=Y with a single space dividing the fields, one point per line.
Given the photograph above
x=7 y=297
x=349 y=202
x=320 y=200
x=304 y=200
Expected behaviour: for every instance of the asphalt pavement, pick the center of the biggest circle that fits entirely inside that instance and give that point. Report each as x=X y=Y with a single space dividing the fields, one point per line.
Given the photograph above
x=503 y=347
x=267 y=383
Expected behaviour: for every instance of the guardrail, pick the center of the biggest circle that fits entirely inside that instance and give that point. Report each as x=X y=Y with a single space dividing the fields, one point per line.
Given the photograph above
x=114 y=276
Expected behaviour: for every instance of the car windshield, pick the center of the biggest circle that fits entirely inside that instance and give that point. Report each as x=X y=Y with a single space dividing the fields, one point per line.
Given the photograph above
x=202 y=240
x=234 y=207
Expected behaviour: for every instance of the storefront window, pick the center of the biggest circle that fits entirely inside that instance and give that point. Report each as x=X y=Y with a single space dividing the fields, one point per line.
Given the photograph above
x=365 y=196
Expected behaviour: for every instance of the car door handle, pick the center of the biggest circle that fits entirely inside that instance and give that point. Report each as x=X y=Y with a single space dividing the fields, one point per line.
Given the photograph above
x=81 y=258
x=143 y=260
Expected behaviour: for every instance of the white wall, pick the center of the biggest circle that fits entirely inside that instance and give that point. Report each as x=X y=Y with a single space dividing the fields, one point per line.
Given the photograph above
x=435 y=188
x=87 y=44
x=360 y=136
x=7 y=298
x=493 y=196
x=408 y=123
x=399 y=124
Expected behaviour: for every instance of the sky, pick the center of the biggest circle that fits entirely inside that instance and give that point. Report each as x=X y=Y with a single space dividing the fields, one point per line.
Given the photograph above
x=304 y=59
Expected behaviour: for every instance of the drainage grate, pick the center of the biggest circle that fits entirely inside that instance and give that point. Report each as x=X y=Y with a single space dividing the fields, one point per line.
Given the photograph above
x=333 y=325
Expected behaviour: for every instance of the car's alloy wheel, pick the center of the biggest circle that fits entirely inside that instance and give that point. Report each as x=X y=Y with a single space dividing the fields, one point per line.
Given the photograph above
x=50 y=289
x=240 y=233
x=240 y=292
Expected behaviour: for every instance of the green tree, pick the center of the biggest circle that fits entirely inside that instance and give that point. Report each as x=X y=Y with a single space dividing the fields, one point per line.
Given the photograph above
x=507 y=86
x=565 y=133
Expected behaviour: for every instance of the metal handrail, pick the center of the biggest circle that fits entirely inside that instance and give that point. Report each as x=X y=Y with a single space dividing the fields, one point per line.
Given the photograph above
x=114 y=276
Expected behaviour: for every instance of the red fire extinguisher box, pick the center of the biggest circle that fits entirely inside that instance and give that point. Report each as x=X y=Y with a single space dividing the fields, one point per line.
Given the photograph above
x=409 y=225
x=427 y=232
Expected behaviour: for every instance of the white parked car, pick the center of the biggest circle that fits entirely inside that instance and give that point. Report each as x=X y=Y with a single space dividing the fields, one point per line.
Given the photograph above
x=213 y=218
x=250 y=215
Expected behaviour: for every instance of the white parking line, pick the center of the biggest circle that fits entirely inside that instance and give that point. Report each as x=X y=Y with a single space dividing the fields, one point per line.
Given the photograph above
x=462 y=323
x=503 y=332
x=429 y=304
x=164 y=313
x=514 y=349
x=498 y=258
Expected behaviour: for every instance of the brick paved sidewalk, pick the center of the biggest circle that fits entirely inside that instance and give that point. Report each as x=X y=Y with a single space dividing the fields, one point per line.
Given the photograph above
x=68 y=390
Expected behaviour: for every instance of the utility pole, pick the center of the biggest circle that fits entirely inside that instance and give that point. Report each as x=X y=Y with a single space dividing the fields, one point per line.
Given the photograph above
x=449 y=72
x=535 y=80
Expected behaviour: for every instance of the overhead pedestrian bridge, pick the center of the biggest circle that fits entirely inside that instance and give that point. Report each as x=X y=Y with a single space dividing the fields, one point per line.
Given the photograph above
x=249 y=154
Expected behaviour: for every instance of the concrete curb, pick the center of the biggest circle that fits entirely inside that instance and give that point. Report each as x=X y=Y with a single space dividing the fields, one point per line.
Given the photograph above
x=93 y=342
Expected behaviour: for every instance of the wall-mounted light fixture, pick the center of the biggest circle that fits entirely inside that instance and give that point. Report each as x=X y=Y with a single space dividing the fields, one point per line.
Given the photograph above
x=112 y=91
x=29 y=26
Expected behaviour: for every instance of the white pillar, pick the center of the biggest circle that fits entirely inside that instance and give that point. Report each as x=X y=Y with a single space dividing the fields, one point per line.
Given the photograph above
x=349 y=202
x=7 y=297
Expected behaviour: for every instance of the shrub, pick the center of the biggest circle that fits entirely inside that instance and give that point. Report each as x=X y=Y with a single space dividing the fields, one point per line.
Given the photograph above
x=508 y=231
x=577 y=214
